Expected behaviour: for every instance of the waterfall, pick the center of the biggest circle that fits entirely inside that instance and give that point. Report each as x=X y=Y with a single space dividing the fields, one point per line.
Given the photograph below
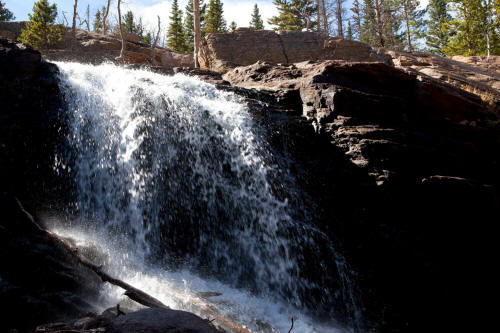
x=174 y=180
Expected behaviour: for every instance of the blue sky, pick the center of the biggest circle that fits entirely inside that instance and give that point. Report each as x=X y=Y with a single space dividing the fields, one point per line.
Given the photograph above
x=237 y=10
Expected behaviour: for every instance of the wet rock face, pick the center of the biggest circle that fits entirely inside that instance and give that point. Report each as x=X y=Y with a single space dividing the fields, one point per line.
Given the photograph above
x=396 y=167
x=39 y=280
x=29 y=120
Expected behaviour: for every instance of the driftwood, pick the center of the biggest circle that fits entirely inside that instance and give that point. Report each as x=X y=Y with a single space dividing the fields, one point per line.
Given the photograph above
x=133 y=293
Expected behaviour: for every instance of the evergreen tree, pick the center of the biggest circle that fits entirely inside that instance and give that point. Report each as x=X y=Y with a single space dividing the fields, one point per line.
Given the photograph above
x=214 y=19
x=349 y=31
x=256 y=21
x=294 y=15
x=467 y=29
x=413 y=22
x=175 y=34
x=5 y=14
x=368 y=27
x=437 y=37
x=233 y=26
x=394 y=35
x=40 y=32
x=189 y=23
x=97 y=25
x=128 y=23
x=147 y=39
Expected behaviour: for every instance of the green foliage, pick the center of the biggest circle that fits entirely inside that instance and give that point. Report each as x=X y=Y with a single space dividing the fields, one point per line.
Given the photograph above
x=233 y=26
x=98 y=20
x=40 y=32
x=294 y=15
x=469 y=28
x=128 y=23
x=349 y=31
x=175 y=35
x=147 y=39
x=189 y=23
x=214 y=19
x=394 y=35
x=5 y=14
x=413 y=22
x=256 y=21
x=368 y=31
x=437 y=37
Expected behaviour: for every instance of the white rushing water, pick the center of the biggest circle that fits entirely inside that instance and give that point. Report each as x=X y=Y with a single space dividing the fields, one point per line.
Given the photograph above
x=175 y=192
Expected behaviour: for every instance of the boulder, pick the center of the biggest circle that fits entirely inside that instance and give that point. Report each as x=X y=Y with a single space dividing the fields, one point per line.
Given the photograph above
x=245 y=46
x=160 y=321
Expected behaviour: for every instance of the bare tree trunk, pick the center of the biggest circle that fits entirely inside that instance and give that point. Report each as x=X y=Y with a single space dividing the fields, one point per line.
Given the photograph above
x=65 y=19
x=320 y=16
x=378 y=13
x=73 y=28
x=340 y=28
x=153 y=59
x=88 y=18
x=124 y=42
x=324 y=17
x=407 y=22
x=104 y=18
x=197 y=32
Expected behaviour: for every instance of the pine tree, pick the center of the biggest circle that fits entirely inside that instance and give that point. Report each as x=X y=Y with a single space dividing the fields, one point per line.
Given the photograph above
x=413 y=22
x=189 y=23
x=294 y=15
x=394 y=35
x=128 y=23
x=5 y=14
x=368 y=34
x=147 y=39
x=467 y=28
x=256 y=21
x=214 y=19
x=349 y=31
x=437 y=37
x=176 y=38
x=233 y=26
x=40 y=32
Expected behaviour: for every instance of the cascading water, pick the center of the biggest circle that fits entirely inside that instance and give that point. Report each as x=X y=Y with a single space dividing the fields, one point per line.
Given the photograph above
x=174 y=182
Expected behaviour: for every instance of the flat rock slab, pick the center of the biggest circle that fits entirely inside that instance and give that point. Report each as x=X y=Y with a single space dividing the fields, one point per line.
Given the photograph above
x=160 y=321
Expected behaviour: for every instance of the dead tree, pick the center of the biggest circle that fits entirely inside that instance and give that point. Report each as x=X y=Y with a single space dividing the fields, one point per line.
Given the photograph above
x=122 y=36
x=379 y=5
x=66 y=24
x=104 y=18
x=87 y=18
x=73 y=28
x=153 y=59
x=357 y=17
x=340 y=28
x=197 y=32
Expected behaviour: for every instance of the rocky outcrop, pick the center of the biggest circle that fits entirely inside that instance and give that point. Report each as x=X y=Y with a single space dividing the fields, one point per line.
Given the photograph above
x=397 y=165
x=30 y=124
x=488 y=63
x=96 y=48
x=115 y=320
x=245 y=46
